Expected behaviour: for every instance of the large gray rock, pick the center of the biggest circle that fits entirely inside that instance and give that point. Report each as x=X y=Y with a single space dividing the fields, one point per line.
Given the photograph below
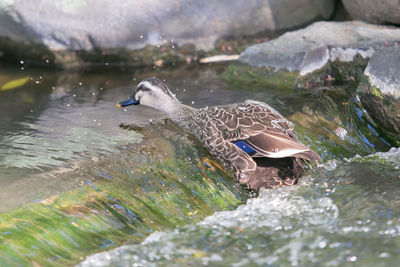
x=310 y=49
x=119 y=24
x=383 y=11
x=380 y=89
x=383 y=71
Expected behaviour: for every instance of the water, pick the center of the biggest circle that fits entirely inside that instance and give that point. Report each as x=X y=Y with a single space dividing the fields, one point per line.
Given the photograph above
x=337 y=216
x=66 y=162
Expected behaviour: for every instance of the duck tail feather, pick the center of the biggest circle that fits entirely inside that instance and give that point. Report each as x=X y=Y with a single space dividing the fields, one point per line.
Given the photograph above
x=308 y=155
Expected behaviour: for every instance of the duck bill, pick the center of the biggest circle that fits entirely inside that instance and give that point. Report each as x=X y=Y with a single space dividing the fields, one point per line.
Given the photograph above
x=128 y=102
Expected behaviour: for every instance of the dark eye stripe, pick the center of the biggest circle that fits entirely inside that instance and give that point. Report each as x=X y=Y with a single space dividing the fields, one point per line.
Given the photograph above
x=142 y=88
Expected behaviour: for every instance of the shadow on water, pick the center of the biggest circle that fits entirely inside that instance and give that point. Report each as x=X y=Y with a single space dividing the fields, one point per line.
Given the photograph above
x=73 y=182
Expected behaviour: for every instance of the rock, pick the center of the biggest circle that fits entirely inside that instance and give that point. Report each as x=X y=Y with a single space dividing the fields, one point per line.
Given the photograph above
x=340 y=49
x=384 y=11
x=102 y=28
x=379 y=91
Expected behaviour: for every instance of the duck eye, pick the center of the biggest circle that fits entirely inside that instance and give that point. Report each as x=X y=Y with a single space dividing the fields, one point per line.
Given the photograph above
x=143 y=89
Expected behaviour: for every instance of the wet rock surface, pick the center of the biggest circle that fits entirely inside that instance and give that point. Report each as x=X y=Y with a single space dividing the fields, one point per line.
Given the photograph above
x=384 y=11
x=104 y=27
x=380 y=89
x=341 y=49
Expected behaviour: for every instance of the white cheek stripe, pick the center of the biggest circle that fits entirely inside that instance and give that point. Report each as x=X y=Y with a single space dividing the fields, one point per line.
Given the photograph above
x=155 y=89
x=148 y=85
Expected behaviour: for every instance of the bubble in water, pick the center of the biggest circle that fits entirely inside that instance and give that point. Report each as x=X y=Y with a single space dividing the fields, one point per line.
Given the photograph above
x=352 y=258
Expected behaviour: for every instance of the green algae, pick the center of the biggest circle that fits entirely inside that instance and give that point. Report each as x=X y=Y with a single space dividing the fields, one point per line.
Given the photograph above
x=242 y=74
x=153 y=188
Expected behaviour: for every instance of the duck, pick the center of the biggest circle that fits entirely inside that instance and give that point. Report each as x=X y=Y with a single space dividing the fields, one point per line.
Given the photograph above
x=252 y=139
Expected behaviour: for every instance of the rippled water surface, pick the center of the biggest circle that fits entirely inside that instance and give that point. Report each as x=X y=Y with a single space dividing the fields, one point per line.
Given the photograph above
x=337 y=216
x=67 y=163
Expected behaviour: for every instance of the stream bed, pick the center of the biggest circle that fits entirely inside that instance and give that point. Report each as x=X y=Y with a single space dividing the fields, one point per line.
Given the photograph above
x=83 y=182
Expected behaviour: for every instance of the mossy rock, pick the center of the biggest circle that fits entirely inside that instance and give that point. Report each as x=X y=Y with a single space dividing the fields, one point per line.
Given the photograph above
x=242 y=74
x=384 y=109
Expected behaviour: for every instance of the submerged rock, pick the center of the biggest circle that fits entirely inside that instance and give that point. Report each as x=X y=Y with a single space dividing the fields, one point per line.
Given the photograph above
x=43 y=30
x=340 y=49
x=384 y=11
x=380 y=89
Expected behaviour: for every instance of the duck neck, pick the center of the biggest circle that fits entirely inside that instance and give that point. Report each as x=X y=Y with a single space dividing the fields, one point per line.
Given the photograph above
x=175 y=110
x=179 y=112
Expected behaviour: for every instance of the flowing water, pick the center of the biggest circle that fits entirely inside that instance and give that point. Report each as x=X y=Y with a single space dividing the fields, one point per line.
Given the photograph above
x=79 y=176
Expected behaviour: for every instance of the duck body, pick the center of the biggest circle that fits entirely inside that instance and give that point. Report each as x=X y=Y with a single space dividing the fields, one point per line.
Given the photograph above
x=252 y=139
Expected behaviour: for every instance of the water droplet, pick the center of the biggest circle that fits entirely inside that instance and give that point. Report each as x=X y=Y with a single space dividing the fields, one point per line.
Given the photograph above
x=106 y=63
x=74 y=95
x=384 y=255
x=47 y=61
x=68 y=105
x=352 y=258
x=22 y=68
x=192 y=102
x=53 y=88
x=21 y=62
x=93 y=93
x=37 y=82
x=141 y=36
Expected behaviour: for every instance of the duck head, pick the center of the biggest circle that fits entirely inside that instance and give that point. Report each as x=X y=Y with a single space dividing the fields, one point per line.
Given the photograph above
x=154 y=93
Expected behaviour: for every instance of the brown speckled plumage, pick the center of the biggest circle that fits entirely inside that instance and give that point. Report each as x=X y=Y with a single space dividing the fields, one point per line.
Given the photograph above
x=260 y=126
x=279 y=158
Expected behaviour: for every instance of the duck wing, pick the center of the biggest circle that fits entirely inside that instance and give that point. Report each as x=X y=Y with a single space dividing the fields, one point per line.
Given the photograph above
x=262 y=128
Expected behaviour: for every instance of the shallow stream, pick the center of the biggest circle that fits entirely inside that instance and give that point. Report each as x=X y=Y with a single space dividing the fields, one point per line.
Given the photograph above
x=79 y=176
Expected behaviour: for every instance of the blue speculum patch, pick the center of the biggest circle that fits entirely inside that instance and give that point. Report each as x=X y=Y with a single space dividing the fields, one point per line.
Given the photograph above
x=245 y=147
